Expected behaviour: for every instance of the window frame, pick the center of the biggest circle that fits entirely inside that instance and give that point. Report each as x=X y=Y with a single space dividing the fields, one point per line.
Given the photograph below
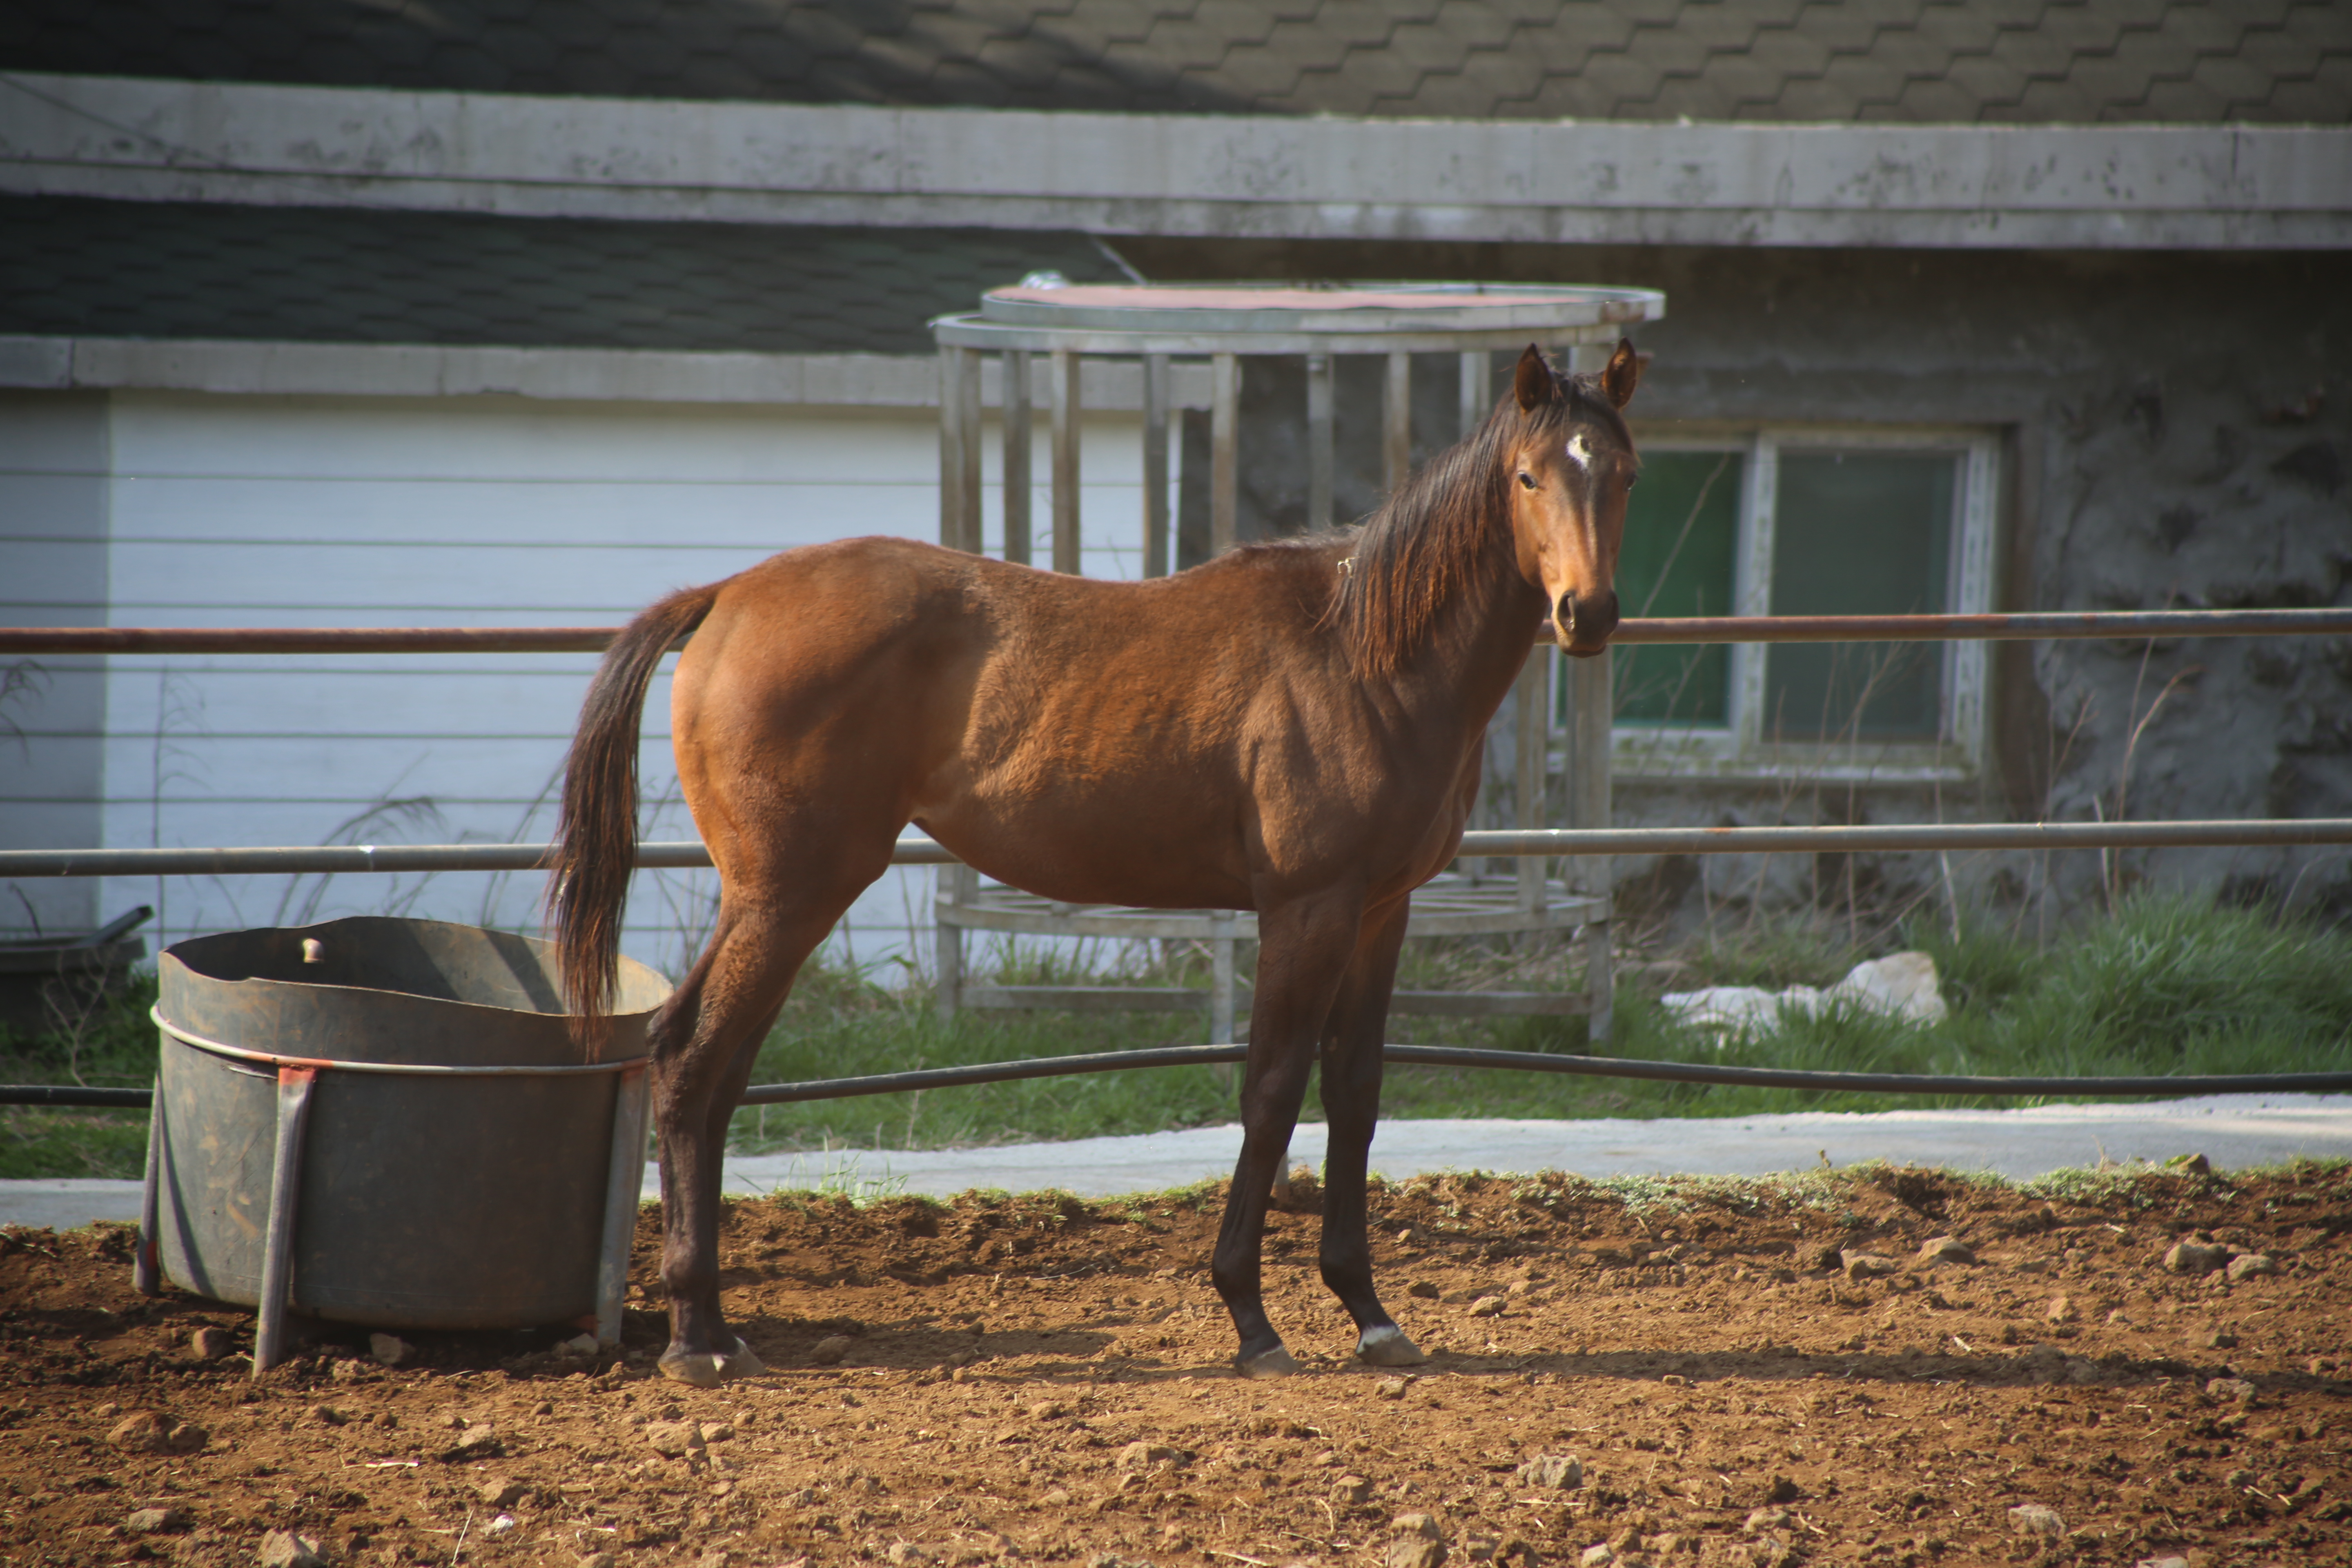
x=1741 y=750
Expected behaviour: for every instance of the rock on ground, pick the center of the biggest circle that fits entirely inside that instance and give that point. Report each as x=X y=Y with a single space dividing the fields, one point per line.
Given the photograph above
x=2036 y=1518
x=1557 y=1470
x=284 y=1548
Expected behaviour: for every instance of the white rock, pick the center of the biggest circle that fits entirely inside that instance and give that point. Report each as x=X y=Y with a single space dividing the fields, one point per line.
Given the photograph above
x=1739 y=1009
x=1901 y=985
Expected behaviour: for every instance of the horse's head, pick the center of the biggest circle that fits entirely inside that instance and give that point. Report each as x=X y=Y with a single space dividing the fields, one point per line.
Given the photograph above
x=1572 y=463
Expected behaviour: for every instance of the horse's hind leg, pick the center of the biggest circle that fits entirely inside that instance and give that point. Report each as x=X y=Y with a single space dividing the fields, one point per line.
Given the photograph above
x=703 y=1047
x=1351 y=1106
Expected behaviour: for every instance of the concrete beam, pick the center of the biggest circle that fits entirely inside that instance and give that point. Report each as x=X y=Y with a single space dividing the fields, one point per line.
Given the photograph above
x=1600 y=183
x=379 y=370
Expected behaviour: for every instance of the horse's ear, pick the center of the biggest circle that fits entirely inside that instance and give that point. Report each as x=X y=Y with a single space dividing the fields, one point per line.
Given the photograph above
x=1534 y=384
x=1623 y=373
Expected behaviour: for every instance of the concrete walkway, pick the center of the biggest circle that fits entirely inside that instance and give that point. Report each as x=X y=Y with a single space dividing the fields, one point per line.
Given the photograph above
x=2231 y=1131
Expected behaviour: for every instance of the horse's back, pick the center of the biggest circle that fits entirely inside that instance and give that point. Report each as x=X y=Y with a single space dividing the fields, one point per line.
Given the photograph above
x=1156 y=742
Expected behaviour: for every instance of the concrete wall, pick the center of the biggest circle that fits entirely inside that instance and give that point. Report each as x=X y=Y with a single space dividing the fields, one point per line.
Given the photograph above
x=1973 y=186
x=169 y=508
x=2176 y=430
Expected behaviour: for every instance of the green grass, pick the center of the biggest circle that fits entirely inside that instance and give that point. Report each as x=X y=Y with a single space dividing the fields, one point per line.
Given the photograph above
x=837 y=1026
x=2163 y=986
x=113 y=1045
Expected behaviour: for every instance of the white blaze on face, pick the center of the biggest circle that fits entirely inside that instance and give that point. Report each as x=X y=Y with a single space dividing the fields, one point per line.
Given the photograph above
x=1579 y=451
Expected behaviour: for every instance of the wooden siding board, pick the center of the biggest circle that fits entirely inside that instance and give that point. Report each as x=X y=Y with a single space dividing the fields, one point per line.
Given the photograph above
x=53 y=572
x=469 y=512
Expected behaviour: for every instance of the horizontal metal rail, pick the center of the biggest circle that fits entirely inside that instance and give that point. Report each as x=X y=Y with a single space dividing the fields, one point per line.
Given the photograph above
x=76 y=1094
x=2184 y=1085
x=1530 y=1061
x=304 y=640
x=2037 y=625
x=687 y=854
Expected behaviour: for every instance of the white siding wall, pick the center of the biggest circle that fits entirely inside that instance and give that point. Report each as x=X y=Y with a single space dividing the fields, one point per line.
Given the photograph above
x=53 y=500
x=259 y=512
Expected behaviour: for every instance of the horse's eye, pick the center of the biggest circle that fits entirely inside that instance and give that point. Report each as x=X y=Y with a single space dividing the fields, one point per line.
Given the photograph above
x=1528 y=481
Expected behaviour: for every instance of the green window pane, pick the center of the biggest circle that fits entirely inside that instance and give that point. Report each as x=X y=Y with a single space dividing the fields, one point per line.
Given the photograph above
x=1682 y=532
x=1859 y=533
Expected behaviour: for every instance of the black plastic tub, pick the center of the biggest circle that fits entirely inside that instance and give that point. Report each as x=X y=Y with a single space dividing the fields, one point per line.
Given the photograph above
x=388 y=1122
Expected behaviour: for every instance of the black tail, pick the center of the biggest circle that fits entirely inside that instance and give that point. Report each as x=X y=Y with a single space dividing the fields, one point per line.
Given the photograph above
x=596 y=833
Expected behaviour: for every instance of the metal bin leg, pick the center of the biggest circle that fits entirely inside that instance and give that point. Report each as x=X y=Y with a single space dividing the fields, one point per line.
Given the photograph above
x=146 y=1262
x=294 y=1087
x=624 y=1184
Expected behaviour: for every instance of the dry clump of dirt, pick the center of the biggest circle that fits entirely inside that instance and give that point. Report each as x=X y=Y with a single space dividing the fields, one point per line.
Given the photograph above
x=1741 y=1373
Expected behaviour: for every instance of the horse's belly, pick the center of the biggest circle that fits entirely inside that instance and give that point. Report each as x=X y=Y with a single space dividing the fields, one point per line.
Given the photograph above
x=1126 y=850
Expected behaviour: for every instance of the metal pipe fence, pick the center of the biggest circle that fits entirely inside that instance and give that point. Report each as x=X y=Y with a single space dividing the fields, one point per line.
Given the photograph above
x=2039 y=625
x=689 y=854
x=2025 y=627
x=75 y=1095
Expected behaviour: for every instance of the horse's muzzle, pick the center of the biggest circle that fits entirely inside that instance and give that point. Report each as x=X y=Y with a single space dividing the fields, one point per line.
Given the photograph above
x=1582 y=626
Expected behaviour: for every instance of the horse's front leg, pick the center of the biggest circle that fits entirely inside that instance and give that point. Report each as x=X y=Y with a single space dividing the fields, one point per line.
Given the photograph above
x=1303 y=950
x=1351 y=1106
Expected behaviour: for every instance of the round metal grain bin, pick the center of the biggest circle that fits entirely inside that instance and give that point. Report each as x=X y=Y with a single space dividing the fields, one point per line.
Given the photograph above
x=391 y=1120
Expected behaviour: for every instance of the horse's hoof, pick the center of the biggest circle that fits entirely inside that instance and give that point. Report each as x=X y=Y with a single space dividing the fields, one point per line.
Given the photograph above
x=710 y=1369
x=1275 y=1362
x=698 y=1369
x=1387 y=1346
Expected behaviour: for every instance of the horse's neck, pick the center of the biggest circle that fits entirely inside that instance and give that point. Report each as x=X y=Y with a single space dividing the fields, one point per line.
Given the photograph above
x=1478 y=645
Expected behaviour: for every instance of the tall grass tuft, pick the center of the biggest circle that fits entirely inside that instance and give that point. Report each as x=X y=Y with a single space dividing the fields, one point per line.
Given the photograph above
x=2169 y=979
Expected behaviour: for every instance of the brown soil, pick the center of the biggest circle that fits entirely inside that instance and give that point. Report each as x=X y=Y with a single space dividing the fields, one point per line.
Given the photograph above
x=1039 y=1378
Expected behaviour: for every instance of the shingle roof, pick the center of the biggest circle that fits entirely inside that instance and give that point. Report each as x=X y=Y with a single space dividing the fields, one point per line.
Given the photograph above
x=2044 y=62
x=77 y=268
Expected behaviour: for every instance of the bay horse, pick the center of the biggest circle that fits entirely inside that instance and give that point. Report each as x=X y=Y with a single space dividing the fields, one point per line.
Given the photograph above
x=1293 y=728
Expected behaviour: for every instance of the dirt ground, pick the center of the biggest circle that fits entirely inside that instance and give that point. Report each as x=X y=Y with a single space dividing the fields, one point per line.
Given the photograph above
x=1037 y=1378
